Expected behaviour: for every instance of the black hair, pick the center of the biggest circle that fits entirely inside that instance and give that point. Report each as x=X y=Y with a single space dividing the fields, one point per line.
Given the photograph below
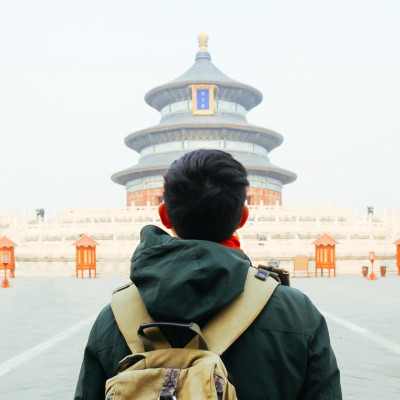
x=204 y=194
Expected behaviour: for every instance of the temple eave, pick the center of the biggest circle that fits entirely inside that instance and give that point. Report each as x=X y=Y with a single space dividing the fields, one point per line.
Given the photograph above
x=123 y=177
x=282 y=175
x=161 y=95
x=144 y=138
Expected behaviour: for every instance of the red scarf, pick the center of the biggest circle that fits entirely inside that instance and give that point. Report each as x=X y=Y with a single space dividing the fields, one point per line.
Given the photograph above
x=232 y=242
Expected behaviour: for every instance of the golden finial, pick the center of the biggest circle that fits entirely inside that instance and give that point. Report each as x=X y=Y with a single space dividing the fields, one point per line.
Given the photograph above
x=203 y=40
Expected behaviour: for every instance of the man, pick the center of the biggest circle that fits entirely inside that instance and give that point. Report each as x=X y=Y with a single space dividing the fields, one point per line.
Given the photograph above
x=286 y=352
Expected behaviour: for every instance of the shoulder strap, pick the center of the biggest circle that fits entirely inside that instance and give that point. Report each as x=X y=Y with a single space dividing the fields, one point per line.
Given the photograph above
x=225 y=327
x=219 y=332
x=129 y=312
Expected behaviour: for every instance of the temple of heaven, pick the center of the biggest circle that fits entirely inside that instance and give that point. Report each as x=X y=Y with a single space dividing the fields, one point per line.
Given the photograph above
x=203 y=108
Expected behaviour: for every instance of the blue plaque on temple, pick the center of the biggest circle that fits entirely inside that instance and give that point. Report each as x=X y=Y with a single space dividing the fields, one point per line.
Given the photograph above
x=203 y=99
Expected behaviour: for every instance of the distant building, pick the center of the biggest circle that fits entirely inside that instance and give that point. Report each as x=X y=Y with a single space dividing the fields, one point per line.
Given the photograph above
x=203 y=108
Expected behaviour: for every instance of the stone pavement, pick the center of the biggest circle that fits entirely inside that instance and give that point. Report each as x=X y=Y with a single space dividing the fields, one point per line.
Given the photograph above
x=56 y=314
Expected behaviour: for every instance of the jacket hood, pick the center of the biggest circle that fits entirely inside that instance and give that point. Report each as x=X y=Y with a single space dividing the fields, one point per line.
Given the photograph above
x=185 y=280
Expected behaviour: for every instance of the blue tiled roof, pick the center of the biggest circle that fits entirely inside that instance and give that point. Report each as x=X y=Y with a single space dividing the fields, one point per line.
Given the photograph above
x=179 y=131
x=202 y=71
x=161 y=161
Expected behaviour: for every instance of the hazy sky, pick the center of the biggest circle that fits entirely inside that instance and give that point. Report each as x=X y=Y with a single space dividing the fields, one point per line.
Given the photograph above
x=73 y=75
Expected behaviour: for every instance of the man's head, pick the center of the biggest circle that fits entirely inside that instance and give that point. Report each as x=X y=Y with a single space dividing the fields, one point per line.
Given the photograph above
x=204 y=195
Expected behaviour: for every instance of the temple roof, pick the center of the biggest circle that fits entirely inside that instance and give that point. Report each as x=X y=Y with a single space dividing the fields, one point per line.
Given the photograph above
x=202 y=71
x=162 y=161
x=143 y=138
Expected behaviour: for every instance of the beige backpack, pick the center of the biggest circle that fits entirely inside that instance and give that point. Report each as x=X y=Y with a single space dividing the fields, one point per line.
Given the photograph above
x=155 y=371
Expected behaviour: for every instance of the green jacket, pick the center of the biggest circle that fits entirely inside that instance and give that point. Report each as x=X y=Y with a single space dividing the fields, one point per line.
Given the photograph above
x=285 y=354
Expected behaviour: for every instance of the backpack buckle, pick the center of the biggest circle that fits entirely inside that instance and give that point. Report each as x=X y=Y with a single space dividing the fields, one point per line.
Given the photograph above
x=262 y=274
x=272 y=269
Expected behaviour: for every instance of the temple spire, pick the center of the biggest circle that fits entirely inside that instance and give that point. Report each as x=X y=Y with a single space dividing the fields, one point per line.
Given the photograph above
x=203 y=42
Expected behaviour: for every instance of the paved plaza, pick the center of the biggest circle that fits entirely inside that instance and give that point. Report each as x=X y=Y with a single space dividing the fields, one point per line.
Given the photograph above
x=45 y=322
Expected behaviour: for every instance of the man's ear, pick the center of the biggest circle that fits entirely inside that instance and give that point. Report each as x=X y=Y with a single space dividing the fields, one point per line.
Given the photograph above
x=245 y=215
x=162 y=212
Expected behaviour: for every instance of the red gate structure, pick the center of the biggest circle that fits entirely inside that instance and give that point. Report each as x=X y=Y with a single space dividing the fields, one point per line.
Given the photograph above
x=325 y=257
x=85 y=255
x=7 y=259
x=397 y=243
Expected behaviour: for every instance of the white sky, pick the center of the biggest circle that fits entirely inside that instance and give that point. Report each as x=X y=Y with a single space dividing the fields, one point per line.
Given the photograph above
x=73 y=75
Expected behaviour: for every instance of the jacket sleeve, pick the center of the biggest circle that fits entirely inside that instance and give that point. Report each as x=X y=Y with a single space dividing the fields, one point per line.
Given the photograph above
x=105 y=348
x=92 y=377
x=322 y=381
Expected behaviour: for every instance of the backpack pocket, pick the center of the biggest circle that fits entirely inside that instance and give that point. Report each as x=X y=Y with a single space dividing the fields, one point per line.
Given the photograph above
x=170 y=374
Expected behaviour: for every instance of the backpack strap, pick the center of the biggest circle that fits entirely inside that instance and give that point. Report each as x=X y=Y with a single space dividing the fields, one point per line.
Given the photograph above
x=130 y=312
x=220 y=331
x=226 y=326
